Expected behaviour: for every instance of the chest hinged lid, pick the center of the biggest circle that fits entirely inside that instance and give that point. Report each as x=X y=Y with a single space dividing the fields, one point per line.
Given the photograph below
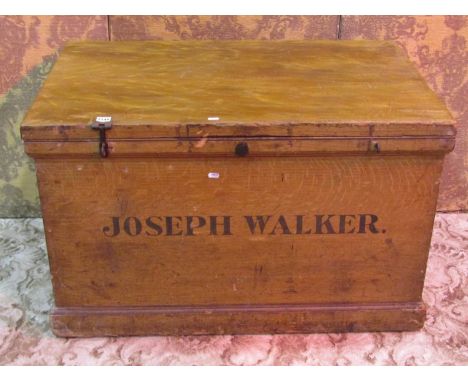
x=228 y=98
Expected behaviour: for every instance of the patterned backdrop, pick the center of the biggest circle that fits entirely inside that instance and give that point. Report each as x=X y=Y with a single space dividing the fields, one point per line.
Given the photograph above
x=29 y=46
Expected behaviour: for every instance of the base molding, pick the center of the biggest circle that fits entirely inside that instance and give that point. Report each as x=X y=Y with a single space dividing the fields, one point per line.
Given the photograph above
x=236 y=319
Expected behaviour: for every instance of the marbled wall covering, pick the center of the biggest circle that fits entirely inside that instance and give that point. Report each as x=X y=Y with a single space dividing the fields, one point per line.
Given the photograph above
x=18 y=188
x=436 y=44
x=28 y=48
x=26 y=40
x=438 y=47
x=223 y=27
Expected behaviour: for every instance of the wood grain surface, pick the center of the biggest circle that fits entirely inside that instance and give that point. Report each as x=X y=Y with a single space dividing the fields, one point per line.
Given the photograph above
x=437 y=46
x=239 y=319
x=79 y=199
x=322 y=222
x=149 y=82
x=185 y=264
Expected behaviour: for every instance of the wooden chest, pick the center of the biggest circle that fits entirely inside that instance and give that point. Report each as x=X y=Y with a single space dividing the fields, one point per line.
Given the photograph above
x=237 y=186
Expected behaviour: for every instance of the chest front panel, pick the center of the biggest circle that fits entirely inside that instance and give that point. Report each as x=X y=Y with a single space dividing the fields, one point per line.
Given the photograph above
x=234 y=231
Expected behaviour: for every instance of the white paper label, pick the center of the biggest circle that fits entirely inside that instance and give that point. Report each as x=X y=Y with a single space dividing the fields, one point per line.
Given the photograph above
x=103 y=119
x=213 y=175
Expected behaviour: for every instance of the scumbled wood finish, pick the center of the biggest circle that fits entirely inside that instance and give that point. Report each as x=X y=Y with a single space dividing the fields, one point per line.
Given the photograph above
x=81 y=197
x=437 y=45
x=174 y=82
x=238 y=319
x=316 y=229
x=313 y=272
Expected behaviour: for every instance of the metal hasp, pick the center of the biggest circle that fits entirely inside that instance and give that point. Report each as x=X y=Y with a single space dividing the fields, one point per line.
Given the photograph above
x=102 y=124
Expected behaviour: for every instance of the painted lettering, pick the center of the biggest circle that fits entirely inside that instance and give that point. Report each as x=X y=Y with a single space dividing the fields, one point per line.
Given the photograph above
x=115 y=227
x=367 y=220
x=261 y=220
x=155 y=228
x=132 y=226
x=200 y=222
x=320 y=224
x=226 y=224
x=284 y=226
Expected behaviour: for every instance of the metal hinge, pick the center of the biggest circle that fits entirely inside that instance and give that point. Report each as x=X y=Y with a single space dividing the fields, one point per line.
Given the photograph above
x=102 y=124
